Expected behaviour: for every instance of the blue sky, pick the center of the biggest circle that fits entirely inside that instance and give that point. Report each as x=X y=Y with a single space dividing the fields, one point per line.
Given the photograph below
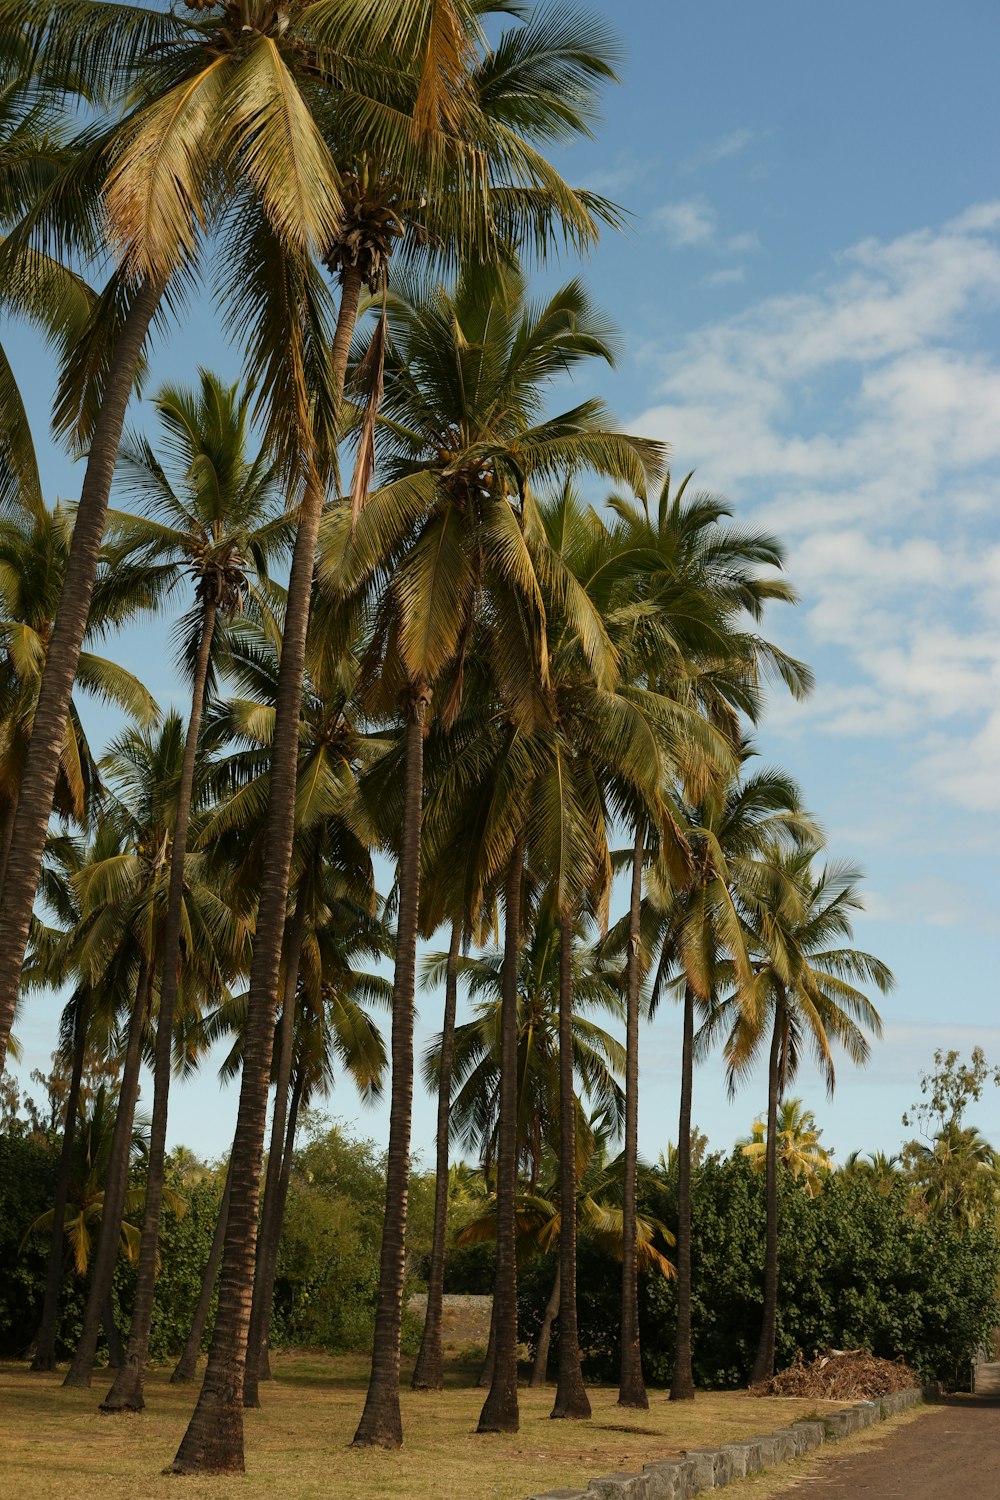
x=809 y=296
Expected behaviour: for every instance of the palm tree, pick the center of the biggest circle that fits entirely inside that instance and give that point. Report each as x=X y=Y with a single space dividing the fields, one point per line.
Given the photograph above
x=33 y=148
x=877 y=1167
x=804 y=991
x=72 y=952
x=34 y=546
x=215 y=520
x=329 y=1000
x=599 y=1218
x=146 y=178
x=428 y=1372
x=435 y=549
x=612 y=745
x=448 y=116
x=956 y=1175
x=696 y=926
x=130 y=886
x=254 y=139
x=483 y=1069
x=332 y=836
x=799 y=1148
x=597 y=1062
x=701 y=584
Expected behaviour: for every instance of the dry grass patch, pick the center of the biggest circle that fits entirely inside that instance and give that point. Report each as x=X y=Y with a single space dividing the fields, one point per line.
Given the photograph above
x=53 y=1442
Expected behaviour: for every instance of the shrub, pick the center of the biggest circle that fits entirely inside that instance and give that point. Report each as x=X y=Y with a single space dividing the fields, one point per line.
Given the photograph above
x=857 y=1267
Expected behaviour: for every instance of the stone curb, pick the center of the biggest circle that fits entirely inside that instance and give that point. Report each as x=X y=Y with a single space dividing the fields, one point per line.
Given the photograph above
x=704 y=1469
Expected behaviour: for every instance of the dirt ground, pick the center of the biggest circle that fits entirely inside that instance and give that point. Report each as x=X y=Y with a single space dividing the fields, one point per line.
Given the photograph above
x=950 y=1453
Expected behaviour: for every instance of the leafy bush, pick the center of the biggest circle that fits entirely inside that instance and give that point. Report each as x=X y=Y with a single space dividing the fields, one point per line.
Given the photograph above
x=328 y=1259
x=27 y=1188
x=471 y=1270
x=185 y=1243
x=856 y=1268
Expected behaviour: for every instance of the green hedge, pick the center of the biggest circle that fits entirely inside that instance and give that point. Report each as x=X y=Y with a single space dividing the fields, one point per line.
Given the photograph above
x=856 y=1268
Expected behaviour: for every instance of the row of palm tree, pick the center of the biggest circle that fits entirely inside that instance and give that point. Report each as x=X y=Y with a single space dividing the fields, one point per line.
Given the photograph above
x=454 y=660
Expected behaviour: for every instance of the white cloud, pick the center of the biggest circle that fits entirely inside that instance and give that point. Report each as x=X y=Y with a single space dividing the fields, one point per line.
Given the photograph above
x=692 y=223
x=689 y=221
x=861 y=421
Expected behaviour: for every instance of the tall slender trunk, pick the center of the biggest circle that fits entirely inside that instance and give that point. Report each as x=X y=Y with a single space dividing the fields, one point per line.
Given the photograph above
x=571 y=1395
x=763 y=1365
x=428 y=1372
x=116 y=1355
x=632 y=1387
x=490 y=1357
x=184 y=1370
x=45 y=1342
x=500 y=1409
x=109 y=1235
x=126 y=1394
x=539 y=1368
x=682 y=1385
x=213 y=1442
x=6 y=835
x=41 y=769
x=381 y=1424
x=283 y=1181
x=270 y=1226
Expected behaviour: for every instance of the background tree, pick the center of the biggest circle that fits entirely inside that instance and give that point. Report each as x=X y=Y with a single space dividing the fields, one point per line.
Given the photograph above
x=219 y=522
x=802 y=994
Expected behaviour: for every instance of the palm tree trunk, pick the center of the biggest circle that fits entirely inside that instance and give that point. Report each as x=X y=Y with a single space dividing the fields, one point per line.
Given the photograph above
x=270 y=1227
x=632 y=1387
x=490 y=1358
x=213 y=1442
x=500 y=1409
x=571 y=1396
x=31 y=821
x=6 y=835
x=539 y=1368
x=109 y=1235
x=45 y=1342
x=185 y=1368
x=282 y=1199
x=682 y=1385
x=116 y=1355
x=428 y=1372
x=126 y=1394
x=763 y=1365
x=283 y=1181
x=381 y=1424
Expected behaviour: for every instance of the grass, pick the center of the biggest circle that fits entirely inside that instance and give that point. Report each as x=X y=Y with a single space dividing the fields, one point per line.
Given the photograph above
x=54 y=1442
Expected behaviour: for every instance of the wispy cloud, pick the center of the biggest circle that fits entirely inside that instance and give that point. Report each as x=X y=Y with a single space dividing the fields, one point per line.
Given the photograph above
x=743 y=244
x=722 y=149
x=935 y=902
x=622 y=173
x=692 y=223
x=862 y=421
x=689 y=221
x=728 y=276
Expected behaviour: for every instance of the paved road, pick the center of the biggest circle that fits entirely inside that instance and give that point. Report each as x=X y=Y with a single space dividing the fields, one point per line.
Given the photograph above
x=952 y=1453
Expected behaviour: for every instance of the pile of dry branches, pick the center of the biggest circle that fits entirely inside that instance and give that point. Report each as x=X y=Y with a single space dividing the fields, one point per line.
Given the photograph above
x=839 y=1375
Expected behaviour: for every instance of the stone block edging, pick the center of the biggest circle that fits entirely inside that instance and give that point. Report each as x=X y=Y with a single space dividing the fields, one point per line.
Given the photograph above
x=703 y=1469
